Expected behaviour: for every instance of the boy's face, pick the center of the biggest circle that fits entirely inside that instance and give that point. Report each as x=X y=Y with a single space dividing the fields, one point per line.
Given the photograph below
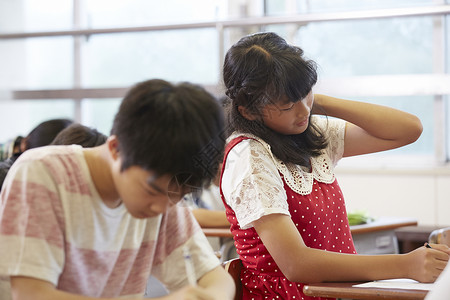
x=143 y=196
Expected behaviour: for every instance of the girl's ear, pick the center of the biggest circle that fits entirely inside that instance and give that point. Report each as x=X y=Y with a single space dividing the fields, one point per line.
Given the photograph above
x=246 y=114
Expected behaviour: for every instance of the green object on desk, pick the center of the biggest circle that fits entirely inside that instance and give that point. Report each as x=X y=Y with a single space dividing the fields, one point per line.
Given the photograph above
x=358 y=218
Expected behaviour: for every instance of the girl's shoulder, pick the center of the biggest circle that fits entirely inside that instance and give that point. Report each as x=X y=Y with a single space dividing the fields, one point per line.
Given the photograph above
x=328 y=125
x=247 y=139
x=250 y=150
x=334 y=131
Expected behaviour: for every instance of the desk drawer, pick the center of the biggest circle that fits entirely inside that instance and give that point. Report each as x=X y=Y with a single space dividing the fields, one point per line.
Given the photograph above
x=381 y=242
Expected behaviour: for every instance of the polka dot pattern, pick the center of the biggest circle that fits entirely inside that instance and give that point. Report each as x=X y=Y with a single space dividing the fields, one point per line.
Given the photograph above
x=321 y=219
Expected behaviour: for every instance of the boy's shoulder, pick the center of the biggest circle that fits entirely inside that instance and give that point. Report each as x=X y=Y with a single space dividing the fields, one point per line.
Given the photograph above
x=56 y=160
x=64 y=166
x=50 y=151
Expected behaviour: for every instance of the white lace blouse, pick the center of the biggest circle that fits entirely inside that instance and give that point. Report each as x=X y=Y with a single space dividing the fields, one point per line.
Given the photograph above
x=251 y=182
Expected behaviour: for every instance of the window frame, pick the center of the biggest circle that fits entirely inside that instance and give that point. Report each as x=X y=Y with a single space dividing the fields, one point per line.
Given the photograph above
x=435 y=84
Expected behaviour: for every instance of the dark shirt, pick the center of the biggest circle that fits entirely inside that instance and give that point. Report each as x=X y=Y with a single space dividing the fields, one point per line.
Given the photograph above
x=5 y=166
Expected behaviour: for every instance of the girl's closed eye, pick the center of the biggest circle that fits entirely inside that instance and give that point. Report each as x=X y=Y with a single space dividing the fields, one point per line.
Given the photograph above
x=288 y=108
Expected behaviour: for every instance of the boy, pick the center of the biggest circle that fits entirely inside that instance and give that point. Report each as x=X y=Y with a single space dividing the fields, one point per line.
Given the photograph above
x=86 y=223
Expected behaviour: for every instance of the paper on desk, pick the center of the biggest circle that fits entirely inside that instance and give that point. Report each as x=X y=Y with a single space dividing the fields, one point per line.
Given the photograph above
x=401 y=283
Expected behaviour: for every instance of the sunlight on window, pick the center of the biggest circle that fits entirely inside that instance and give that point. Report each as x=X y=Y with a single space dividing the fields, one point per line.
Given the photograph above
x=342 y=49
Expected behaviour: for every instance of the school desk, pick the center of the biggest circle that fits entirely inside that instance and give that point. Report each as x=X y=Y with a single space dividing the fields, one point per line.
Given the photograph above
x=376 y=237
x=347 y=290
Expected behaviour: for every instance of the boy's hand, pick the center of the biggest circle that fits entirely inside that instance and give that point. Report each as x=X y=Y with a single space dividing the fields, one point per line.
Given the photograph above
x=217 y=284
x=191 y=293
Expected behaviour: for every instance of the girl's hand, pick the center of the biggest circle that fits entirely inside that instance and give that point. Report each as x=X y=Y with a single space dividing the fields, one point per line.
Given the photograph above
x=441 y=247
x=426 y=264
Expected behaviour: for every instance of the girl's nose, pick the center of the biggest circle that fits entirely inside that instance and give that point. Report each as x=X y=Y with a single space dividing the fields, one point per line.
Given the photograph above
x=302 y=108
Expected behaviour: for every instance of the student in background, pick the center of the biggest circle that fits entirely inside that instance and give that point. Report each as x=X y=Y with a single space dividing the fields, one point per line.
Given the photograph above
x=42 y=135
x=284 y=204
x=79 y=134
x=209 y=211
x=84 y=223
x=11 y=147
x=207 y=206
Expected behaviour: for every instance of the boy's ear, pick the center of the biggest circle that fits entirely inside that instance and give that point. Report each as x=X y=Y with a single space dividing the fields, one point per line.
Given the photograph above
x=113 y=146
x=246 y=114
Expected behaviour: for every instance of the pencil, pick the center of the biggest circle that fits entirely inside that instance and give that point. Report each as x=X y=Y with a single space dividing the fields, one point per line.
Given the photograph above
x=190 y=270
x=427 y=245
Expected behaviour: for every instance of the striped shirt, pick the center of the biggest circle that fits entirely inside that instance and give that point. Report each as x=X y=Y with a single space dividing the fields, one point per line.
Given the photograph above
x=55 y=227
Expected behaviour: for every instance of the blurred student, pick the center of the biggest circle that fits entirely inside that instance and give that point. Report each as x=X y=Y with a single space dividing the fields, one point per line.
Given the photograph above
x=79 y=134
x=10 y=147
x=207 y=206
x=209 y=211
x=42 y=135
x=86 y=223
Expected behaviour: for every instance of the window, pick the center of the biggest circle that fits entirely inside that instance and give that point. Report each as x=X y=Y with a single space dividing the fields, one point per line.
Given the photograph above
x=77 y=59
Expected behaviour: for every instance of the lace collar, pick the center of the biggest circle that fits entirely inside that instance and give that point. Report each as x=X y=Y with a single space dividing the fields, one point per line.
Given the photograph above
x=296 y=177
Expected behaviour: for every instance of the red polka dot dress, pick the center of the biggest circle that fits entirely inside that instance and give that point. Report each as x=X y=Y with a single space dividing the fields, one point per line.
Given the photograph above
x=313 y=200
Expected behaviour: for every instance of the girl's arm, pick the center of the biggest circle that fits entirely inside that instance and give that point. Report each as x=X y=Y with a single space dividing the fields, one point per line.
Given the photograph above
x=300 y=263
x=370 y=128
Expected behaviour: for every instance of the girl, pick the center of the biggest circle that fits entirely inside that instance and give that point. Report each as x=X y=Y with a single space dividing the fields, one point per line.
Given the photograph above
x=284 y=204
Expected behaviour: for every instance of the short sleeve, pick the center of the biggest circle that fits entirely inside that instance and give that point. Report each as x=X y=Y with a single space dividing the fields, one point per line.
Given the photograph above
x=251 y=183
x=180 y=231
x=31 y=223
x=334 y=129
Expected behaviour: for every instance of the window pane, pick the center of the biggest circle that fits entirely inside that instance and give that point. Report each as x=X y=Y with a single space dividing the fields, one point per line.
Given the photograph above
x=115 y=13
x=369 y=47
x=20 y=117
x=35 y=15
x=447 y=43
x=274 y=7
x=37 y=63
x=124 y=59
x=99 y=113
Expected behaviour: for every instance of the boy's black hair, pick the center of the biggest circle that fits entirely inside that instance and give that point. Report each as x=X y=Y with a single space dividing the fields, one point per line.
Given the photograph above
x=171 y=129
x=261 y=69
x=80 y=135
x=45 y=132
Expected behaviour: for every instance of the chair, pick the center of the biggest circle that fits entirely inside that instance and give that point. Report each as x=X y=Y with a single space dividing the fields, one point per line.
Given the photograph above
x=233 y=267
x=440 y=236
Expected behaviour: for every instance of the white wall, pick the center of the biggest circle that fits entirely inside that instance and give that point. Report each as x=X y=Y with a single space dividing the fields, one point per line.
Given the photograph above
x=420 y=194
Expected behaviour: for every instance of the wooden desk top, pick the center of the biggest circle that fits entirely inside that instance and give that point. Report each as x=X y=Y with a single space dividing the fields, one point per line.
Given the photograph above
x=380 y=224
x=217 y=232
x=346 y=290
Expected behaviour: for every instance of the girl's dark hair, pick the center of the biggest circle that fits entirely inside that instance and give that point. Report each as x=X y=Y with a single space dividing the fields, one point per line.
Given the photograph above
x=45 y=132
x=261 y=69
x=171 y=129
x=80 y=135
